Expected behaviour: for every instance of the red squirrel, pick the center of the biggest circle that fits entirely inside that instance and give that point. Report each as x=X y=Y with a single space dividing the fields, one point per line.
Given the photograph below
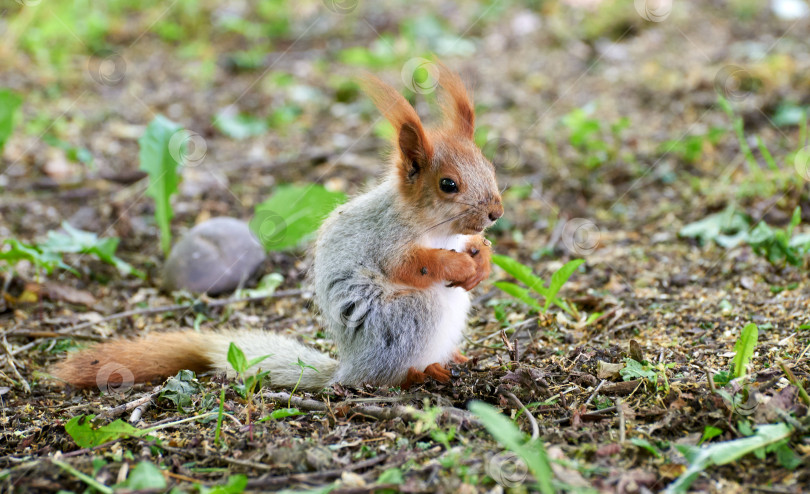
x=391 y=271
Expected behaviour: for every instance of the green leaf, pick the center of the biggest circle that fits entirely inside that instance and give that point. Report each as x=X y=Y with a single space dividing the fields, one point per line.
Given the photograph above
x=236 y=485
x=744 y=348
x=239 y=126
x=728 y=228
x=180 y=388
x=145 y=475
x=391 y=476
x=258 y=360
x=20 y=251
x=726 y=452
x=559 y=278
x=645 y=444
x=282 y=413
x=81 y=429
x=9 y=103
x=159 y=159
x=82 y=242
x=521 y=272
x=709 y=432
x=292 y=214
x=519 y=293
x=511 y=438
x=237 y=359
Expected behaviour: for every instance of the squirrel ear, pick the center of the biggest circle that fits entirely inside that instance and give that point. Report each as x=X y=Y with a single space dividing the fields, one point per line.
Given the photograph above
x=458 y=109
x=414 y=146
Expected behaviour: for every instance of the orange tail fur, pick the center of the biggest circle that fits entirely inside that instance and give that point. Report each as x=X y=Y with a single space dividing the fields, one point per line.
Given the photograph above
x=124 y=362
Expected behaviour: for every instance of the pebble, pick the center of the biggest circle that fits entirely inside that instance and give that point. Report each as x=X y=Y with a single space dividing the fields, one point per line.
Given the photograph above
x=214 y=257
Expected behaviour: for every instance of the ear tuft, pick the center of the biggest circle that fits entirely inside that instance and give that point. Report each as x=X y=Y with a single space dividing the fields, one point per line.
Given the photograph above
x=414 y=146
x=458 y=109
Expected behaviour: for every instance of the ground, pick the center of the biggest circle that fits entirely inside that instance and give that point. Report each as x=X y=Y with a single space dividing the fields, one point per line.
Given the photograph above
x=611 y=128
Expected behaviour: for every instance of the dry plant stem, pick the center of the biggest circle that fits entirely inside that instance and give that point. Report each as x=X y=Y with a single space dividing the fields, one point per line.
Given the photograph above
x=794 y=381
x=406 y=413
x=10 y=359
x=622 y=425
x=595 y=391
x=516 y=401
x=166 y=308
x=285 y=480
x=125 y=407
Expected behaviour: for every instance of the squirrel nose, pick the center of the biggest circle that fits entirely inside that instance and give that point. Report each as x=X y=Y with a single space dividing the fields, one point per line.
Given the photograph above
x=496 y=212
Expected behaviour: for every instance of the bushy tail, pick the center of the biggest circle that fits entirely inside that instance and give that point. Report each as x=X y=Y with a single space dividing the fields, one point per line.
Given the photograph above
x=160 y=355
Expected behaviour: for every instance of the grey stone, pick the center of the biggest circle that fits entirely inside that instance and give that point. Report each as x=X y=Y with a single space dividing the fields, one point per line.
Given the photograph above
x=215 y=256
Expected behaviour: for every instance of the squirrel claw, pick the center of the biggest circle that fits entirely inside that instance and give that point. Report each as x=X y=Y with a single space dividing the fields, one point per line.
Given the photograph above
x=414 y=377
x=459 y=358
x=438 y=372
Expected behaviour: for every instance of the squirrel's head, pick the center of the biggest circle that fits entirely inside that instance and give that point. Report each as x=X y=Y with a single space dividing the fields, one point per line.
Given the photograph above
x=440 y=171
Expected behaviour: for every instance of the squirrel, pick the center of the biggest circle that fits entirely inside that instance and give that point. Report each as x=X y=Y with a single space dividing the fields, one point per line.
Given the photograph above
x=391 y=271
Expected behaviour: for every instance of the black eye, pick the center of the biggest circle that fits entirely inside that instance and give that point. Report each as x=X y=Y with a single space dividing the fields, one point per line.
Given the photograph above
x=448 y=185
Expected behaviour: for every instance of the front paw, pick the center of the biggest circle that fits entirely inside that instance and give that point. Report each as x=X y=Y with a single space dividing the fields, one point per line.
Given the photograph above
x=479 y=250
x=461 y=270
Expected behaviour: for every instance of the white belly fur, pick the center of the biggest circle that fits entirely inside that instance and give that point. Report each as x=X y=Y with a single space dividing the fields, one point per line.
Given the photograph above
x=454 y=303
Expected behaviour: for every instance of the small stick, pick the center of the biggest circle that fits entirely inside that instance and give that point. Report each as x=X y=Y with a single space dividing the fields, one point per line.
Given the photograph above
x=406 y=413
x=138 y=412
x=620 y=411
x=535 y=428
x=10 y=360
x=595 y=391
x=120 y=409
x=710 y=379
x=166 y=308
x=794 y=381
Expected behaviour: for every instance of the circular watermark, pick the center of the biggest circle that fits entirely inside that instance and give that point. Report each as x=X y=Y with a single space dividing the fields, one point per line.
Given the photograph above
x=653 y=10
x=507 y=469
x=353 y=313
x=801 y=162
x=268 y=227
x=420 y=75
x=742 y=401
x=341 y=6
x=502 y=153
x=114 y=378
x=581 y=236
x=107 y=68
x=188 y=147
x=733 y=82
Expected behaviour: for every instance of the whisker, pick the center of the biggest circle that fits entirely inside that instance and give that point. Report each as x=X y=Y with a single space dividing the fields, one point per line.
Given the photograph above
x=467 y=211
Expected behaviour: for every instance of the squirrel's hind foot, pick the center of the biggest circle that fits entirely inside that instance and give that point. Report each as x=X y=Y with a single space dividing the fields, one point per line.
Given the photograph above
x=437 y=371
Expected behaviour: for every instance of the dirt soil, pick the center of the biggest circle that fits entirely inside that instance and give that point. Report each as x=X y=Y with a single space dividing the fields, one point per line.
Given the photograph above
x=661 y=298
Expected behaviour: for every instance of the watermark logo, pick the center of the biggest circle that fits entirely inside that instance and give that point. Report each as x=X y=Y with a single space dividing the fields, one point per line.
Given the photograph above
x=268 y=227
x=107 y=68
x=507 y=469
x=188 y=147
x=653 y=10
x=581 y=236
x=734 y=83
x=341 y=7
x=420 y=75
x=114 y=378
x=502 y=153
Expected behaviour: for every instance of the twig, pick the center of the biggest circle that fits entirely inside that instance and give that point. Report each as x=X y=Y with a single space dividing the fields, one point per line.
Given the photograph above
x=532 y=420
x=10 y=360
x=622 y=425
x=406 y=413
x=285 y=480
x=595 y=391
x=710 y=379
x=167 y=308
x=138 y=412
x=120 y=409
x=794 y=381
